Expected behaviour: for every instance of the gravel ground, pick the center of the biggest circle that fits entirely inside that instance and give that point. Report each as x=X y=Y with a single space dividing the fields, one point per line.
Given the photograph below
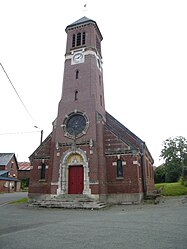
x=145 y=226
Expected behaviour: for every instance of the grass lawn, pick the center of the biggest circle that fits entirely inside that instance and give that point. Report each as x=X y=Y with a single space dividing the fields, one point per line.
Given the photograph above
x=23 y=200
x=172 y=189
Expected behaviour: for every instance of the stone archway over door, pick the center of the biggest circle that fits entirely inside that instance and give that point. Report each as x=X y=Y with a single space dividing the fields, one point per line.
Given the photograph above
x=75 y=179
x=72 y=158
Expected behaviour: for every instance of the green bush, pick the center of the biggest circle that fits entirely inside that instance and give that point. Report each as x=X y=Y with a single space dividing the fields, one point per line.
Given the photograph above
x=159 y=174
x=183 y=181
x=24 y=183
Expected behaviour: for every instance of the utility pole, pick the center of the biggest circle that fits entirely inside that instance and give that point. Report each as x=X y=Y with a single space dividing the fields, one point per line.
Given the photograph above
x=41 y=137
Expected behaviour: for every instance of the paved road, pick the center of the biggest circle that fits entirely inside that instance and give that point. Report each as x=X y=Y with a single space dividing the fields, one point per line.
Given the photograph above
x=4 y=198
x=160 y=226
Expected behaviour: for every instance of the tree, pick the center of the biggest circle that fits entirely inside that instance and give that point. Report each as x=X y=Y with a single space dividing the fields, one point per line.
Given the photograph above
x=174 y=153
x=159 y=174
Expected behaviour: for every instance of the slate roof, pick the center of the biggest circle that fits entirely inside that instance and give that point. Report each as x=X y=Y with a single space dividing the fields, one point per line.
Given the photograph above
x=6 y=178
x=125 y=134
x=9 y=179
x=5 y=158
x=2 y=172
x=82 y=20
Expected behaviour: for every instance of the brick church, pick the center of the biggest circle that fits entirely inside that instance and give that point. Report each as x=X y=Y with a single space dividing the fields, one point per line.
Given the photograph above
x=89 y=152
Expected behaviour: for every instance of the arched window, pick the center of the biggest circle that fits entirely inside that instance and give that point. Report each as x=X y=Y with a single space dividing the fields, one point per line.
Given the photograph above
x=101 y=100
x=43 y=168
x=73 y=41
x=76 y=95
x=83 y=38
x=77 y=74
x=119 y=168
x=78 y=39
x=100 y=80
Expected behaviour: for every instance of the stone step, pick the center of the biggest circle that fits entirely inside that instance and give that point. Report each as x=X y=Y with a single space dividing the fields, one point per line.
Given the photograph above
x=74 y=197
x=69 y=204
x=69 y=201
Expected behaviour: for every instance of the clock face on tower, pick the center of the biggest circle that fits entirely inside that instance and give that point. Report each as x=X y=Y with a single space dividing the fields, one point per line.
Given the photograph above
x=78 y=58
x=75 y=125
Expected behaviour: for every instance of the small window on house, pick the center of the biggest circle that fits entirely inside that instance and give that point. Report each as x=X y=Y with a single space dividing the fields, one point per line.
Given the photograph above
x=43 y=168
x=78 y=39
x=73 y=41
x=147 y=168
x=101 y=100
x=119 y=168
x=83 y=38
x=77 y=74
x=76 y=95
x=100 y=80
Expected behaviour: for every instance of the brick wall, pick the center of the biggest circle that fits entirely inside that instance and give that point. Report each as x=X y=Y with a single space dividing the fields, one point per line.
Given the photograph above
x=23 y=174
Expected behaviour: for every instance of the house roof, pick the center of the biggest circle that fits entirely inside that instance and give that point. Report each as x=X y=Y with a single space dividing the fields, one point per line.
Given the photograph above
x=9 y=179
x=24 y=165
x=4 y=176
x=5 y=158
x=2 y=172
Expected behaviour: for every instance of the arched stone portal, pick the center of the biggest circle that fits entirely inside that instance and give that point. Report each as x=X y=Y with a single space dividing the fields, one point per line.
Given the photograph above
x=73 y=158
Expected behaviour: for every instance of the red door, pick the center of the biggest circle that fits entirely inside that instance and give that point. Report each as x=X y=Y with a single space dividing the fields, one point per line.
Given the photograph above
x=75 y=181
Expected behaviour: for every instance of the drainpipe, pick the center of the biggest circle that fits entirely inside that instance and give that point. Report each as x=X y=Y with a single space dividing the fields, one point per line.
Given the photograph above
x=144 y=185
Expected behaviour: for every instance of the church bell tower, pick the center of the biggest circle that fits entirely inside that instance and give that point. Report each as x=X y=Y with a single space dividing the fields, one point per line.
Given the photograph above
x=78 y=129
x=82 y=90
x=88 y=152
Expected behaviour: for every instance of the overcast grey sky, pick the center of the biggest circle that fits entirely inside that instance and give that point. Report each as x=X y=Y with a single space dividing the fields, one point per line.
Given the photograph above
x=144 y=61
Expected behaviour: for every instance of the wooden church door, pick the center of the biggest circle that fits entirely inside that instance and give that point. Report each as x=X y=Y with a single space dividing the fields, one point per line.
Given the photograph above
x=75 y=179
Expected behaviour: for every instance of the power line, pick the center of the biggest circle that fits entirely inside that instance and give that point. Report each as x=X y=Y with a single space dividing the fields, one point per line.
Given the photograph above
x=17 y=94
x=17 y=133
